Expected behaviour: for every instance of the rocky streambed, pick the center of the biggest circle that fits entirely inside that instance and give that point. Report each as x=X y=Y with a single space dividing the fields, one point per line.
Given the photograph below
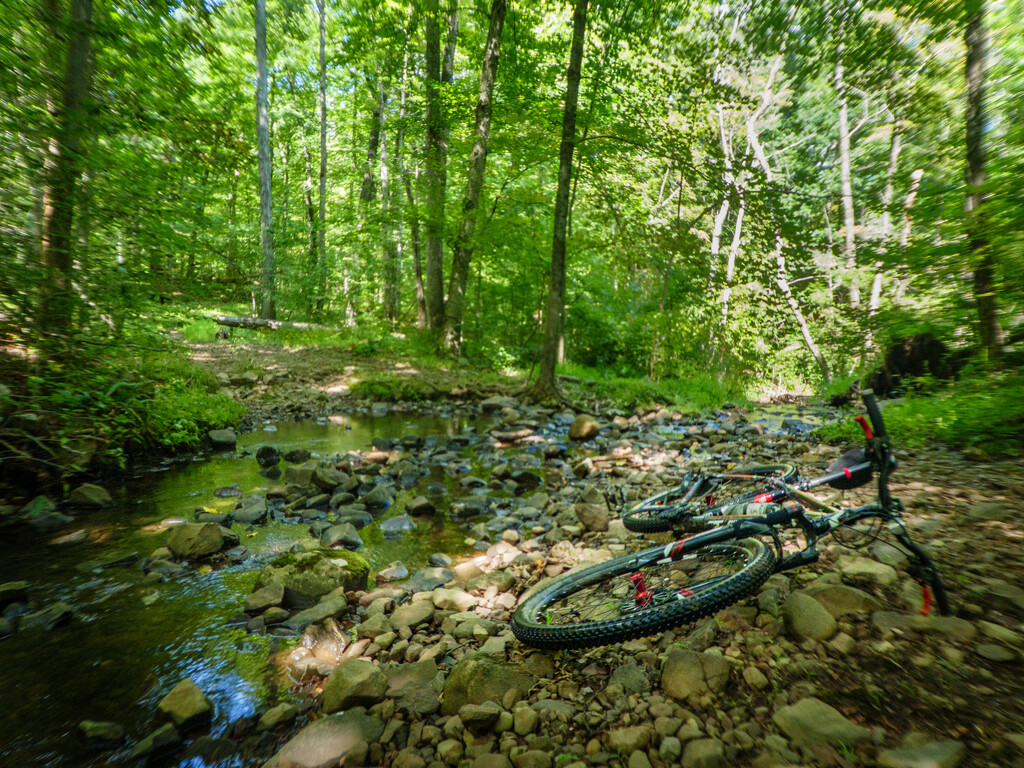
x=376 y=585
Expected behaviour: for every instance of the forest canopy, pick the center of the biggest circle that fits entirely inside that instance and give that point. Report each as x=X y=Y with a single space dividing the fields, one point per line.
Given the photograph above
x=771 y=190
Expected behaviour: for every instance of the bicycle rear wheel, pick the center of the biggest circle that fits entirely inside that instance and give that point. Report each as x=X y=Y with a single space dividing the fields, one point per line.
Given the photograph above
x=641 y=594
x=677 y=508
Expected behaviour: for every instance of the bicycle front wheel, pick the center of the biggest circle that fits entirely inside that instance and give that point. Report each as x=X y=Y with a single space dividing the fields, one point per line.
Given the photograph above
x=684 y=506
x=641 y=594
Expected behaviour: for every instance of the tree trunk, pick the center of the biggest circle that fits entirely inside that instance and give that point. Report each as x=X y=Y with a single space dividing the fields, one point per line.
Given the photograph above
x=546 y=387
x=414 y=221
x=979 y=248
x=462 y=253
x=435 y=169
x=845 y=182
x=908 y=219
x=885 y=228
x=267 y=310
x=782 y=280
x=368 y=190
x=389 y=244
x=321 y=228
x=734 y=249
x=311 y=222
x=62 y=167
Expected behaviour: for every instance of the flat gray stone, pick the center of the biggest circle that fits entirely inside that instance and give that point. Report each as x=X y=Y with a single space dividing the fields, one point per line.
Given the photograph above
x=324 y=742
x=934 y=754
x=811 y=722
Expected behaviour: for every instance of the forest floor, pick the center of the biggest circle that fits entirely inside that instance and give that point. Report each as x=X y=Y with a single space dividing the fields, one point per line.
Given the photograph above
x=929 y=692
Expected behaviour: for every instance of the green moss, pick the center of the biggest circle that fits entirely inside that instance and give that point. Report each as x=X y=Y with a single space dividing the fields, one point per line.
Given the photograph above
x=357 y=564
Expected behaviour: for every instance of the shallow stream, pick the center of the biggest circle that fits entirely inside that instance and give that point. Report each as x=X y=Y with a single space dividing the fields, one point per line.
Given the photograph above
x=132 y=640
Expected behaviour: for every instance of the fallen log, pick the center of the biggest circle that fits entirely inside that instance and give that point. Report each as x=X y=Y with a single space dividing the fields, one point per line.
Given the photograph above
x=273 y=325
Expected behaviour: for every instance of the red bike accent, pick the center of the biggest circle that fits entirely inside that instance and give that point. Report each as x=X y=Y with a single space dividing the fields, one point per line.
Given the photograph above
x=865 y=426
x=642 y=596
x=686 y=592
x=926 y=595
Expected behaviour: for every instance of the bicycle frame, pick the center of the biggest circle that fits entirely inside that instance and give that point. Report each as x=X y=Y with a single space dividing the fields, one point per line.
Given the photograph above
x=764 y=516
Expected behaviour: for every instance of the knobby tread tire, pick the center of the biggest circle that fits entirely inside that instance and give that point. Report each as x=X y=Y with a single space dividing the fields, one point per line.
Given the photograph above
x=528 y=626
x=639 y=520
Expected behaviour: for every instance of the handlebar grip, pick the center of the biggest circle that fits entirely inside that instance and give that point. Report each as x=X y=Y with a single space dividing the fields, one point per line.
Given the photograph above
x=873 y=412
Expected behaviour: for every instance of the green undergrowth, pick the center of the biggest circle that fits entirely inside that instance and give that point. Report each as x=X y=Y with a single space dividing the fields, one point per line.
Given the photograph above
x=115 y=403
x=982 y=412
x=690 y=391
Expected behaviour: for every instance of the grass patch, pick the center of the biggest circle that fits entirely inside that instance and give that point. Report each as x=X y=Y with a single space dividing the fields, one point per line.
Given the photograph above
x=981 y=412
x=692 y=391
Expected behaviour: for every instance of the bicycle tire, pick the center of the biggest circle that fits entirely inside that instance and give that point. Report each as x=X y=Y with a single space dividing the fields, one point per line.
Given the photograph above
x=666 y=511
x=534 y=625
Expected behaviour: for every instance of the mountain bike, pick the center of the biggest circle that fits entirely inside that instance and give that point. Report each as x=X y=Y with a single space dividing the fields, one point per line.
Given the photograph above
x=663 y=587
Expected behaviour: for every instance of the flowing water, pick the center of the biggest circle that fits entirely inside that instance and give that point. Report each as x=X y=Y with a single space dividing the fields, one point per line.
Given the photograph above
x=131 y=640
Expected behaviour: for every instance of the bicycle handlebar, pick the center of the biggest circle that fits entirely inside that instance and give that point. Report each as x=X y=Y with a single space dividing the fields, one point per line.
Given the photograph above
x=874 y=413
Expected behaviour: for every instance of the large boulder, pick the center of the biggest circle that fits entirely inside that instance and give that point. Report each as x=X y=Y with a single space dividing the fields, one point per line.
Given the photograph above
x=932 y=754
x=354 y=683
x=324 y=742
x=479 y=679
x=811 y=723
x=308 y=576
x=194 y=541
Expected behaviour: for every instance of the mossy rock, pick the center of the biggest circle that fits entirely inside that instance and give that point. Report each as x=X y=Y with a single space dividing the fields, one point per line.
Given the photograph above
x=308 y=576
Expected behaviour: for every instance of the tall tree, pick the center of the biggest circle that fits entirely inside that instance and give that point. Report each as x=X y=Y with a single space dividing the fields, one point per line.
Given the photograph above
x=321 y=228
x=267 y=308
x=62 y=167
x=462 y=253
x=845 y=178
x=434 y=224
x=545 y=387
x=979 y=247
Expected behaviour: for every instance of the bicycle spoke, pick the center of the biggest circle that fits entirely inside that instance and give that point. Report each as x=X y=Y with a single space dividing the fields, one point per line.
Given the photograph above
x=657 y=585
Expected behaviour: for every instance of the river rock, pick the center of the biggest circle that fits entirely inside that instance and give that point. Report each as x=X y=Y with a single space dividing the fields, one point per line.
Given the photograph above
x=101 y=733
x=631 y=678
x=856 y=567
x=412 y=614
x=186 y=706
x=705 y=753
x=280 y=715
x=344 y=535
x=453 y=600
x=811 y=722
x=480 y=718
x=497 y=402
x=479 y=679
x=841 y=600
x=807 y=619
x=308 y=576
x=223 y=439
x=324 y=742
x=395 y=526
x=593 y=516
x=627 y=740
x=51 y=617
x=378 y=498
x=584 y=427
x=90 y=496
x=1002 y=596
x=393 y=572
x=268 y=456
x=933 y=754
x=13 y=592
x=687 y=672
x=300 y=474
x=420 y=506
x=251 y=511
x=195 y=541
x=159 y=742
x=354 y=683
x=327 y=478
x=428 y=579
x=325 y=609
x=501 y=580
